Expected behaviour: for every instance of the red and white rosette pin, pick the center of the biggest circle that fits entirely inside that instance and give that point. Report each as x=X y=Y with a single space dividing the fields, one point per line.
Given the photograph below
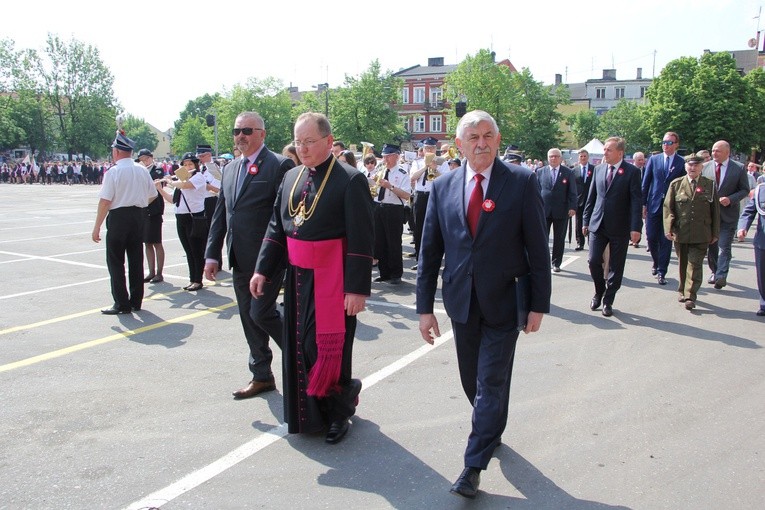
x=699 y=189
x=253 y=169
x=488 y=205
x=565 y=181
x=620 y=171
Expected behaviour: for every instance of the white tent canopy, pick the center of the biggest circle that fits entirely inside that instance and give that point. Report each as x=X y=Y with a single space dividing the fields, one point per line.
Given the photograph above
x=594 y=146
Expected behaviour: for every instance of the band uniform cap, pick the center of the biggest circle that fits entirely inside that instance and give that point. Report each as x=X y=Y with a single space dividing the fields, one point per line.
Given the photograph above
x=142 y=153
x=455 y=161
x=202 y=149
x=123 y=143
x=511 y=148
x=430 y=141
x=693 y=158
x=389 y=148
x=513 y=157
x=190 y=156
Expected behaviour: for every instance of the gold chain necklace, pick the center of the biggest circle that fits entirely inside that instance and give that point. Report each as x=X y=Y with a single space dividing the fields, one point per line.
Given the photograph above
x=299 y=214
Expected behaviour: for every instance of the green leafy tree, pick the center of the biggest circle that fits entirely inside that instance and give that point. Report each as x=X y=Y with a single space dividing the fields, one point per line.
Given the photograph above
x=78 y=88
x=140 y=132
x=362 y=109
x=483 y=85
x=584 y=125
x=192 y=132
x=269 y=98
x=704 y=100
x=197 y=108
x=534 y=118
x=755 y=81
x=627 y=121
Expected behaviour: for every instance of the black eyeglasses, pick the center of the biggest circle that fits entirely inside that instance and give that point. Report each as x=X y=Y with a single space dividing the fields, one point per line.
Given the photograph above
x=667 y=142
x=244 y=131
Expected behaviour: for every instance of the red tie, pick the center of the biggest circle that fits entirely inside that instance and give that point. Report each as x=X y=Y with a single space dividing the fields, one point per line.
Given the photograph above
x=474 y=206
x=717 y=174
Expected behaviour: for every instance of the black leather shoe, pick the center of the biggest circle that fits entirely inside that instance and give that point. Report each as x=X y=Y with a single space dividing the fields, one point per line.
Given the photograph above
x=148 y=278
x=380 y=279
x=579 y=248
x=720 y=283
x=760 y=313
x=414 y=267
x=662 y=280
x=115 y=311
x=654 y=271
x=135 y=308
x=467 y=484
x=607 y=311
x=556 y=269
x=394 y=281
x=595 y=303
x=711 y=279
x=337 y=431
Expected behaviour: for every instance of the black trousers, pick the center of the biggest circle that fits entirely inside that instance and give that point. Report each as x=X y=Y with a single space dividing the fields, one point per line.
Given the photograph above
x=579 y=235
x=559 y=238
x=420 y=206
x=193 y=246
x=389 y=227
x=260 y=320
x=124 y=236
x=617 y=257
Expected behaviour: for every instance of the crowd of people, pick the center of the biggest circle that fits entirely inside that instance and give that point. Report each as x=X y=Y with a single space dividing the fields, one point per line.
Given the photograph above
x=316 y=220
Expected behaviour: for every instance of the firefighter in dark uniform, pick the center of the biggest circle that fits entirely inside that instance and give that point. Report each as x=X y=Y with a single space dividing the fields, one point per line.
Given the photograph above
x=390 y=216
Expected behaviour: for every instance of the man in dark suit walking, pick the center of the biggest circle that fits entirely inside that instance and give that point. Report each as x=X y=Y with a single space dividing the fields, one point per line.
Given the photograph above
x=660 y=170
x=756 y=207
x=244 y=208
x=583 y=172
x=487 y=218
x=612 y=219
x=556 y=182
x=732 y=187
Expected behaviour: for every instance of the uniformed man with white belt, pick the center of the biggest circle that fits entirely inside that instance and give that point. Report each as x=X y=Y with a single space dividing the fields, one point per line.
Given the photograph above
x=394 y=192
x=422 y=185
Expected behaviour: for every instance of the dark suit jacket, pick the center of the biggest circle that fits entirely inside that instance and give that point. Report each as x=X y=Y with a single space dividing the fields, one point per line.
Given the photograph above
x=243 y=221
x=558 y=198
x=582 y=184
x=735 y=186
x=615 y=211
x=656 y=180
x=511 y=241
x=748 y=214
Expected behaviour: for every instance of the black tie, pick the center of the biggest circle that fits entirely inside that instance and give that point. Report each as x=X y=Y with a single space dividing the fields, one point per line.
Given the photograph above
x=693 y=187
x=242 y=173
x=610 y=176
x=584 y=173
x=381 y=195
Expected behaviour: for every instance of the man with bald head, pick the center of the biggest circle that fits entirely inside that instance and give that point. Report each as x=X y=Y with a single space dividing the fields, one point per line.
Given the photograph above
x=732 y=187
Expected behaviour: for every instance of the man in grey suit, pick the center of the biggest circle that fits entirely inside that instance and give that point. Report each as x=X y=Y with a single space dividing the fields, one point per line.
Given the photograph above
x=487 y=219
x=558 y=187
x=612 y=218
x=244 y=208
x=756 y=207
x=732 y=187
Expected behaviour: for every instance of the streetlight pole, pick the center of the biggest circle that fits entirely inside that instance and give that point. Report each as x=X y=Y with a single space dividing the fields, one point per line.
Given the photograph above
x=324 y=87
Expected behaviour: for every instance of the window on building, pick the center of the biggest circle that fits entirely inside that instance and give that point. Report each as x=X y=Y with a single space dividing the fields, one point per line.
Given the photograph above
x=435 y=123
x=419 y=124
x=619 y=92
x=436 y=93
x=405 y=121
x=419 y=94
x=600 y=92
x=405 y=95
x=642 y=91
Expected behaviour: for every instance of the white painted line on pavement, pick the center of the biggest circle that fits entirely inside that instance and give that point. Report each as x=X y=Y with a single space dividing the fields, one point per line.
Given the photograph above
x=207 y=473
x=44 y=225
x=72 y=234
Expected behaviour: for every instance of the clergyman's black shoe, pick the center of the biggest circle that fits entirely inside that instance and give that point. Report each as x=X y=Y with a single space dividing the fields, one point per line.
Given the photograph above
x=467 y=484
x=338 y=430
x=115 y=310
x=380 y=279
x=607 y=311
x=595 y=303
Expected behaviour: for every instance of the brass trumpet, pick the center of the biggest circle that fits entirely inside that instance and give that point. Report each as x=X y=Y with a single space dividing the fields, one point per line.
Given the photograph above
x=431 y=160
x=374 y=185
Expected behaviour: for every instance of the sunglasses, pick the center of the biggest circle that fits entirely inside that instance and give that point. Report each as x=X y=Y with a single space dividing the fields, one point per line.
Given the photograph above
x=668 y=142
x=244 y=131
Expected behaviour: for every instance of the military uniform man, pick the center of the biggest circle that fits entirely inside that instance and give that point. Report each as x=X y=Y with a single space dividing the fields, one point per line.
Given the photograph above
x=692 y=221
x=390 y=216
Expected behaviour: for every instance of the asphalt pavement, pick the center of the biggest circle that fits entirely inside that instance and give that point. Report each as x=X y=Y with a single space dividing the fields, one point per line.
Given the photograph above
x=653 y=408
